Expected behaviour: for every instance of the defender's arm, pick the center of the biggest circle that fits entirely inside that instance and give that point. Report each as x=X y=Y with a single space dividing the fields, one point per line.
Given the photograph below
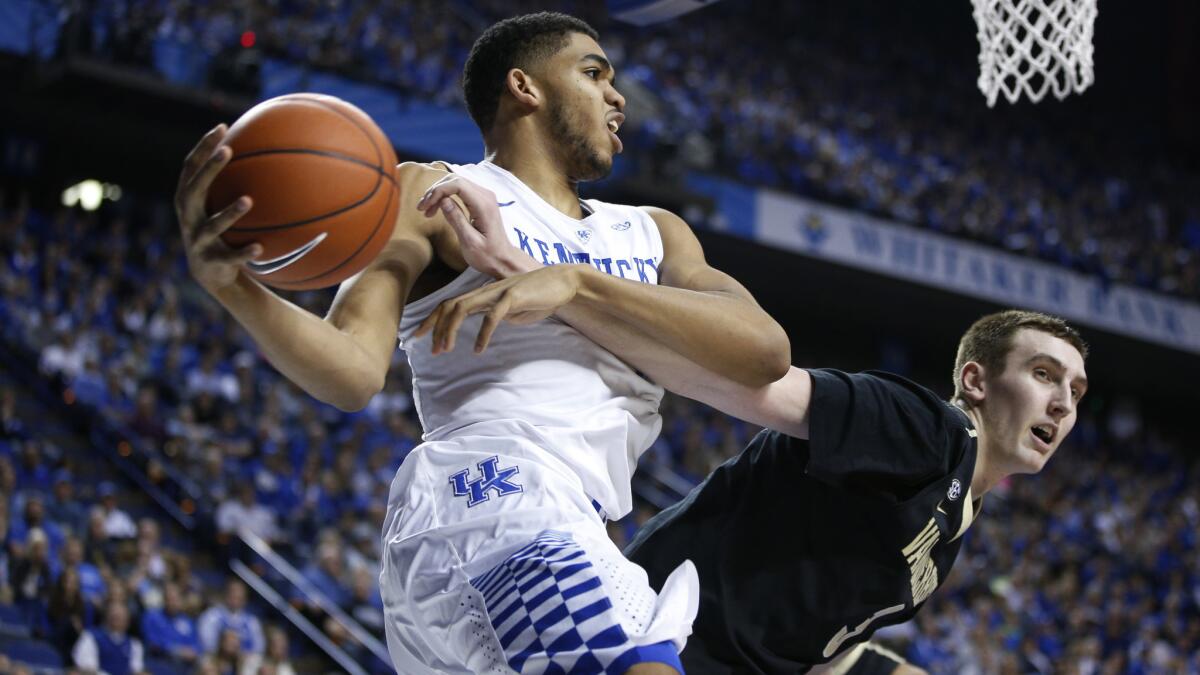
x=700 y=312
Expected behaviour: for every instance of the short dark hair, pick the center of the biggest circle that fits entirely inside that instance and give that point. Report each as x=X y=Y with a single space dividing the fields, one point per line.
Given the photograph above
x=518 y=42
x=989 y=340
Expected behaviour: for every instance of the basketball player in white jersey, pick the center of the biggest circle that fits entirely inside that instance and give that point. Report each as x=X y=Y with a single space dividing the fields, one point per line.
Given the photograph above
x=849 y=512
x=496 y=557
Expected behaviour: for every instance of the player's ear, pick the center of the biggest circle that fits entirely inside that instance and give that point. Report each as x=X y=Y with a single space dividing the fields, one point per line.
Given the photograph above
x=523 y=88
x=971 y=383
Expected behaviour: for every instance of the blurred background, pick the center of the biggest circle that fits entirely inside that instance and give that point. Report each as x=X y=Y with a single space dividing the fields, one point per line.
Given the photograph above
x=158 y=478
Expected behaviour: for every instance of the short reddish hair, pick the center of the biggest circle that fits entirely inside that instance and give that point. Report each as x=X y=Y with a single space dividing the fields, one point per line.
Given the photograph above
x=989 y=340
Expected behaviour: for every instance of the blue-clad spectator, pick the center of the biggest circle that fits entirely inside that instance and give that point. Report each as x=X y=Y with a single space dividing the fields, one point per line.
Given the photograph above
x=170 y=630
x=62 y=507
x=327 y=574
x=33 y=473
x=34 y=518
x=109 y=648
x=231 y=614
x=91 y=581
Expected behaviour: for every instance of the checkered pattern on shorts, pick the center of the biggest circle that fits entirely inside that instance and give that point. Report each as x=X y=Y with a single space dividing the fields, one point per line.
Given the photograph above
x=552 y=614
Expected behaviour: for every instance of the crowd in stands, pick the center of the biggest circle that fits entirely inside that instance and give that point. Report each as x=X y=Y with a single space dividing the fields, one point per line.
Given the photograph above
x=1094 y=561
x=841 y=108
x=105 y=592
x=85 y=568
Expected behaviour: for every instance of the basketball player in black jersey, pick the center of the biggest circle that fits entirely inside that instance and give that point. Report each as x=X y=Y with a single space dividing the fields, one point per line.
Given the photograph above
x=847 y=512
x=850 y=513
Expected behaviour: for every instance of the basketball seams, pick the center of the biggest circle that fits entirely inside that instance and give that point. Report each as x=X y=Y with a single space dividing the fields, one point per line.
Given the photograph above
x=329 y=154
x=366 y=132
x=381 y=148
x=366 y=242
x=307 y=221
x=377 y=167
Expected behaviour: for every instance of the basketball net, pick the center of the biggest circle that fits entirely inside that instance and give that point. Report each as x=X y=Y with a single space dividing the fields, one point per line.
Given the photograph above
x=1034 y=46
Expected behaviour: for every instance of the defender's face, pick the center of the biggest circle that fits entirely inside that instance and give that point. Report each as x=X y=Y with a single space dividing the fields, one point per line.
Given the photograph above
x=584 y=108
x=1031 y=406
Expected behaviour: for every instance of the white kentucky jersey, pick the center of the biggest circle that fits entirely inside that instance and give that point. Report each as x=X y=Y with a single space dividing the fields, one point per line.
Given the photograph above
x=546 y=381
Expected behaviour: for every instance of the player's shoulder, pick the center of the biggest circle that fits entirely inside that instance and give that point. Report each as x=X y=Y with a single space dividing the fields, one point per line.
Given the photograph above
x=888 y=392
x=676 y=234
x=662 y=217
x=413 y=174
x=881 y=379
x=413 y=179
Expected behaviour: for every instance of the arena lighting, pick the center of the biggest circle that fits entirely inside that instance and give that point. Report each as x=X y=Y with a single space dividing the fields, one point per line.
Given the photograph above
x=89 y=193
x=248 y=39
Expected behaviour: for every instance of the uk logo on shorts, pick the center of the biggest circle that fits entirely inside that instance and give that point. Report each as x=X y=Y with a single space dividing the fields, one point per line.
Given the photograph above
x=492 y=477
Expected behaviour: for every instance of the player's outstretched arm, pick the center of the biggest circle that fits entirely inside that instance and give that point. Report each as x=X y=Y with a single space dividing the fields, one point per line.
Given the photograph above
x=342 y=359
x=701 y=313
x=698 y=311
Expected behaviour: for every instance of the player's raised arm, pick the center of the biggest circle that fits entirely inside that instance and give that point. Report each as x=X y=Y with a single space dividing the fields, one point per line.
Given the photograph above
x=707 y=311
x=528 y=291
x=701 y=313
x=342 y=359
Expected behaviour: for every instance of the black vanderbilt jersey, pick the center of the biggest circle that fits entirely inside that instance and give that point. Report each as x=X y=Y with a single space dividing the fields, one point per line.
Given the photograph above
x=805 y=548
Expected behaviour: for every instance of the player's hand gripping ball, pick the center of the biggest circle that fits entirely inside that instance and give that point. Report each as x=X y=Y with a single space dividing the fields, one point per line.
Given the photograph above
x=322 y=177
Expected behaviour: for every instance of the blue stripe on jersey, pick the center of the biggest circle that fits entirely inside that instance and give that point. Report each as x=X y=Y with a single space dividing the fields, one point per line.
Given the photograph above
x=550 y=612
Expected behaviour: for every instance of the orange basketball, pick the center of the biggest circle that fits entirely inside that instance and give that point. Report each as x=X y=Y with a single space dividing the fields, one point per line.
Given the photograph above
x=323 y=179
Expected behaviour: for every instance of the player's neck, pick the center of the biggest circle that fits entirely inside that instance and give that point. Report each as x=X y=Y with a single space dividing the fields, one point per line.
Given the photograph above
x=537 y=167
x=987 y=472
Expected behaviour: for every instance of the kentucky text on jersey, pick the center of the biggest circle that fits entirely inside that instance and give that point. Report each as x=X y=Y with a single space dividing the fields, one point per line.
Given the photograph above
x=574 y=405
x=621 y=267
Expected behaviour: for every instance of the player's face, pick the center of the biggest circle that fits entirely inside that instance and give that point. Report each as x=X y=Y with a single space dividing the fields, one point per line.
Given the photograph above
x=583 y=108
x=1030 y=407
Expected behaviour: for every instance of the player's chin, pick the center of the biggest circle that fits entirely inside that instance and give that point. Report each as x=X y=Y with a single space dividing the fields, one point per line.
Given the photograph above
x=605 y=153
x=598 y=166
x=1033 y=460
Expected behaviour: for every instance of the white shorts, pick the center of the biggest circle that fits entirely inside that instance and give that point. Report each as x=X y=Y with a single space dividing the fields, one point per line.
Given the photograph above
x=495 y=561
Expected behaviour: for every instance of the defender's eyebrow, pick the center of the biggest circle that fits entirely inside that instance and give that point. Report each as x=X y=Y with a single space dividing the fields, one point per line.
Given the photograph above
x=1080 y=380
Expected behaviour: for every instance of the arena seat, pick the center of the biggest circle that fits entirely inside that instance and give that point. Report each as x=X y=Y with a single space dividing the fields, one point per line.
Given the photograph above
x=35 y=653
x=12 y=622
x=156 y=666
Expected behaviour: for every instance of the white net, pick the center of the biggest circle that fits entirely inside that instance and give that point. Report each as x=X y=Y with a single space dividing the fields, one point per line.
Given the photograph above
x=1034 y=46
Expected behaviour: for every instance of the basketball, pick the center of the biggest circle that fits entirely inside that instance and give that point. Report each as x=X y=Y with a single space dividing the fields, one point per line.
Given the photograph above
x=322 y=177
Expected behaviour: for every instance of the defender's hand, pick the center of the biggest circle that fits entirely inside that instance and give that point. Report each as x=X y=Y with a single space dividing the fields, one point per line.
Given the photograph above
x=212 y=262
x=522 y=299
x=481 y=230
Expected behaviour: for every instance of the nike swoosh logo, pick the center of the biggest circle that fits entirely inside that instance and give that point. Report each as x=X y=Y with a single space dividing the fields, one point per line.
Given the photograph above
x=276 y=264
x=503 y=204
x=939 y=508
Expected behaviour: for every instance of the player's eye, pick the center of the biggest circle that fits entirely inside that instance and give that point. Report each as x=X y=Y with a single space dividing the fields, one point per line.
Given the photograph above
x=1075 y=393
x=1041 y=374
x=593 y=73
